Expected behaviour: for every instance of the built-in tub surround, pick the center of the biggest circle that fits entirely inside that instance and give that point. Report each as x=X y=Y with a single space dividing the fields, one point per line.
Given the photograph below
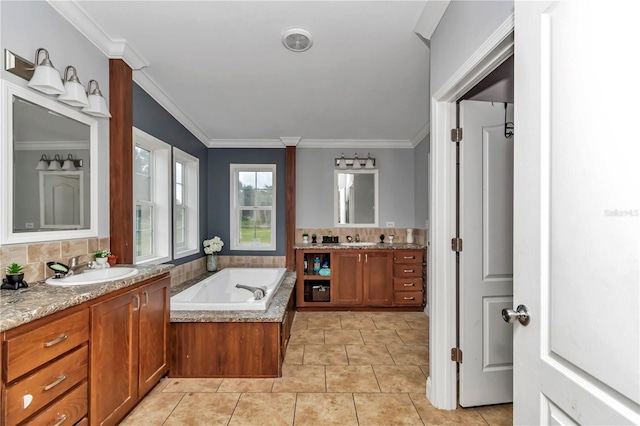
x=219 y=292
x=366 y=234
x=34 y=256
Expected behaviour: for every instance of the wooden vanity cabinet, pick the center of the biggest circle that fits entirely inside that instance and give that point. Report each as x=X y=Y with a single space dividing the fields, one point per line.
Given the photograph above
x=408 y=280
x=363 y=278
x=129 y=350
x=347 y=278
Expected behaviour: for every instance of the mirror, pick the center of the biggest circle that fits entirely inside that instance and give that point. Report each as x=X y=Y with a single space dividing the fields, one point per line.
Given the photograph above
x=49 y=200
x=355 y=198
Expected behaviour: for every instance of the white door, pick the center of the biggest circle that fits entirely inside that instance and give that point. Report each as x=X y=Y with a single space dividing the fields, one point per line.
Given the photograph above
x=577 y=212
x=486 y=261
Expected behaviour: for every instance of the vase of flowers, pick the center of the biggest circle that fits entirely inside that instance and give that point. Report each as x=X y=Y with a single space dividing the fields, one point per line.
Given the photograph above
x=211 y=249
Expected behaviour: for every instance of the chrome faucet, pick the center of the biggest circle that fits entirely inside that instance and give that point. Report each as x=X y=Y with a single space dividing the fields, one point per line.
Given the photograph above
x=357 y=238
x=258 y=292
x=74 y=266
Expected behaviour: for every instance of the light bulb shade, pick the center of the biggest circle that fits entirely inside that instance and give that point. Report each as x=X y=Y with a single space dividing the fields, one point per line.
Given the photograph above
x=43 y=164
x=75 y=94
x=68 y=163
x=356 y=163
x=369 y=164
x=54 y=165
x=97 y=106
x=46 y=79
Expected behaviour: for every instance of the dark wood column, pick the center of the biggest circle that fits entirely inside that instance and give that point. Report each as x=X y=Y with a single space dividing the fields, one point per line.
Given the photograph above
x=121 y=160
x=290 y=205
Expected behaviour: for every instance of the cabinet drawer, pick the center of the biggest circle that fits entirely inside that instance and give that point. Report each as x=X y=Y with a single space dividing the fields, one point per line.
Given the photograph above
x=45 y=385
x=413 y=270
x=67 y=411
x=407 y=284
x=407 y=256
x=34 y=348
x=407 y=298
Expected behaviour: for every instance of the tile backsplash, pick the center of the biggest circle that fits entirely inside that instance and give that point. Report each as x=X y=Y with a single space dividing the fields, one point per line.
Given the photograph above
x=34 y=257
x=366 y=234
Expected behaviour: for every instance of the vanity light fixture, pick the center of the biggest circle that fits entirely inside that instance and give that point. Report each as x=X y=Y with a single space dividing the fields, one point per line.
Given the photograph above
x=342 y=162
x=46 y=78
x=355 y=163
x=57 y=163
x=369 y=163
x=97 y=104
x=75 y=94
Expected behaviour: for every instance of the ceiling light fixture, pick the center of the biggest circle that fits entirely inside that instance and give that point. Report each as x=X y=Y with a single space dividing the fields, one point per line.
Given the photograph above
x=46 y=78
x=297 y=39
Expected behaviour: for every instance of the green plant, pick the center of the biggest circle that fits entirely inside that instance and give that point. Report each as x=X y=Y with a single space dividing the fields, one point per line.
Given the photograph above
x=305 y=234
x=101 y=253
x=14 y=269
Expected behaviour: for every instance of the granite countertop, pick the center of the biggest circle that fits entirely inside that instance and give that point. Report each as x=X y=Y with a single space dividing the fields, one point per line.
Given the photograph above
x=274 y=313
x=378 y=246
x=18 y=307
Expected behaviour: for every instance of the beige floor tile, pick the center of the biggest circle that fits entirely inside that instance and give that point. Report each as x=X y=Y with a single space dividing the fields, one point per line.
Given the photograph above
x=386 y=323
x=246 y=385
x=385 y=409
x=294 y=354
x=433 y=416
x=381 y=337
x=324 y=323
x=153 y=410
x=192 y=385
x=299 y=324
x=420 y=337
x=325 y=355
x=351 y=378
x=409 y=354
x=343 y=337
x=418 y=323
x=425 y=370
x=497 y=415
x=264 y=409
x=307 y=337
x=400 y=378
x=327 y=409
x=358 y=323
x=204 y=409
x=368 y=355
x=300 y=378
x=161 y=385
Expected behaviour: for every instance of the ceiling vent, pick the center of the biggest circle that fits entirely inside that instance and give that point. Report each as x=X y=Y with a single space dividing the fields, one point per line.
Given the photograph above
x=297 y=39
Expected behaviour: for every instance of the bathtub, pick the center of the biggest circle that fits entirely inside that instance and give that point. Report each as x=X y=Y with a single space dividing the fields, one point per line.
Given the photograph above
x=219 y=293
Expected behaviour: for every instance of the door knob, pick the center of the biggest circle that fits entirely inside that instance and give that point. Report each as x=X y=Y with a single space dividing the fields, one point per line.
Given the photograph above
x=521 y=314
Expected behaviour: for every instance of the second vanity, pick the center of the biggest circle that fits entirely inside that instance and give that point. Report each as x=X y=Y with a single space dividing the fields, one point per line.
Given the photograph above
x=390 y=276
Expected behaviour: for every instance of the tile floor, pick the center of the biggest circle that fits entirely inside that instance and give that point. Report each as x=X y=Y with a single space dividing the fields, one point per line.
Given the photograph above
x=341 y=368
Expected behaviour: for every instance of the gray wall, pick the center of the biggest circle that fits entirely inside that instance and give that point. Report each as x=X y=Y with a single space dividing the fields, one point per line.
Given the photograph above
x=314 y=186
x=464 y=26
x=421 y=182
x=153 y=119
x=218 y=195
x=27 y=25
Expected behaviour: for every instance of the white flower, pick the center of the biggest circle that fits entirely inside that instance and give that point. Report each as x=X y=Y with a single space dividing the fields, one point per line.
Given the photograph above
x=213 y=245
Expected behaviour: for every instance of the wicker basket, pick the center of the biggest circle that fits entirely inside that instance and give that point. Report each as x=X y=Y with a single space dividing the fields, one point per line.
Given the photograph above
x=320 y=293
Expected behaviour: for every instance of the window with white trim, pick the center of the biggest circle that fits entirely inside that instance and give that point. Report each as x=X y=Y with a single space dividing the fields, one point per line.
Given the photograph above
x=185 y=204
x=152 y=198
x=253 y=207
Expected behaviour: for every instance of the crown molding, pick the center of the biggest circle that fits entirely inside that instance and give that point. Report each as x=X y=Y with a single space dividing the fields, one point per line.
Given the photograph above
x=50 y=145
x=290 y=141
x=114 y=49
x=355 y=143
x=422 y=133
x=245 y=143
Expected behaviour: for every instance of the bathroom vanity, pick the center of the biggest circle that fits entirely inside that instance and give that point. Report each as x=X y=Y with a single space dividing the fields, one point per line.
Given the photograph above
x=379 y=276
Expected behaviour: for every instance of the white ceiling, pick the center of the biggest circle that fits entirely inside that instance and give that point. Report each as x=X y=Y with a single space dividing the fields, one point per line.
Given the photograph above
x=220 y=67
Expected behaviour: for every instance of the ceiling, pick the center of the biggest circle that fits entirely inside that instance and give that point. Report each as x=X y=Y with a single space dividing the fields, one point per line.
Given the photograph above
x=220 y=67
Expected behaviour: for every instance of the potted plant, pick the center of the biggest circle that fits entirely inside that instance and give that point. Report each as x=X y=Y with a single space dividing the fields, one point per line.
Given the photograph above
x=14 y=273
x=211 y=249
x=305 y=238
x=101 y=257
x=314 y=239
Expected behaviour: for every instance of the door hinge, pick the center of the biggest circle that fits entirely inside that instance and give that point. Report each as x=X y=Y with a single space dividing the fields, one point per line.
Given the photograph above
x=456 y=355
x=456 y=244
x=456 y=134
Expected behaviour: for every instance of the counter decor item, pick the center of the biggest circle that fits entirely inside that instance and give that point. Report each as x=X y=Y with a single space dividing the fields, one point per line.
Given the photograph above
x=112 y=259
x=410 y=236
x=305 y=238
x=314 y=239
x=14 y=277
x=391 y=239
x=211 y=249
x=101 y=258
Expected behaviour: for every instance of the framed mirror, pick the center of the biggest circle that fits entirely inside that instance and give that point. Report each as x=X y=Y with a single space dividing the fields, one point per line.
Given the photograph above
x=355 y=198
x=49 y=174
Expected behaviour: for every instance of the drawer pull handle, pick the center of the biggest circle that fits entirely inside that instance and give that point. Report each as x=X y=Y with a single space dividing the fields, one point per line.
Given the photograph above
x=56 y=382
x=146 y=299
x=137 y=307
x=409 y=298
x=409 y=271
x=409 y=257
x=63 y=418
x=409 y=284
x=56 y=340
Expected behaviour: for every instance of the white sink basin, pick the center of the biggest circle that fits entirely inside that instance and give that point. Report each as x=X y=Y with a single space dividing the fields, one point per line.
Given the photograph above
x=359 y=244
x=94 y=276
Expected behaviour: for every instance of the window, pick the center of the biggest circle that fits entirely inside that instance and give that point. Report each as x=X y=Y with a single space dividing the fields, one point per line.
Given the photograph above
x=151 y=183
x=185 y=204
x=253 y=213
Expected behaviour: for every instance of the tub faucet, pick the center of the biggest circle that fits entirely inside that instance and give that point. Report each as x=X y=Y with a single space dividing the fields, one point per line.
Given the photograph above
x=258 y=292
x=357 y=238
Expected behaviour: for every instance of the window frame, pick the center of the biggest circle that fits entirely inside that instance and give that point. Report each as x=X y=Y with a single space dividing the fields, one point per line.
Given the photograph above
x=190 y=202
x=161 y=203
x=234 y=211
